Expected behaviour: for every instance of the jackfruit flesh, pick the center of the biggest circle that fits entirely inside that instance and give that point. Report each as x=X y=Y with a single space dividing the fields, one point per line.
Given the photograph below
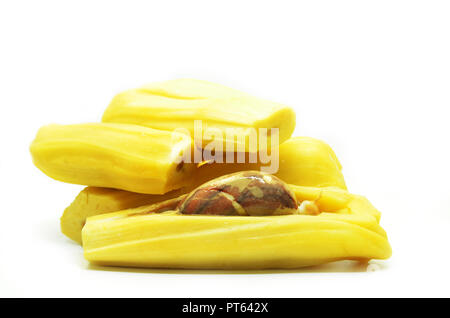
x=94 y=201
x=120 y=156
x=349 y=229
x=178 y=103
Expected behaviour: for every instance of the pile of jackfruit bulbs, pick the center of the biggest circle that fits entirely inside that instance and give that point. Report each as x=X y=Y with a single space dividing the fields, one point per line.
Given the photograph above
x=143 y=207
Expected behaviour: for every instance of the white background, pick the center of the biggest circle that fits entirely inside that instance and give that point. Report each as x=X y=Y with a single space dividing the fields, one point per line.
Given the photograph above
x=372 y=78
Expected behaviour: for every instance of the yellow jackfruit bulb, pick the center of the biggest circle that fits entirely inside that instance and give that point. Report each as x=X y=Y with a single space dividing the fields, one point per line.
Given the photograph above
x=139 y=237
x=121 y=156
x=178 y=103
x=94 y=201
x=307 y=161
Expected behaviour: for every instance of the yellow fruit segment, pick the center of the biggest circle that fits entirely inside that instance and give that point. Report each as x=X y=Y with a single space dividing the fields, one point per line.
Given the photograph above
x=308 y=161
x=94 y=201
x=171 y=240
x=121 y=156
x=299 y=158
x=178 y=103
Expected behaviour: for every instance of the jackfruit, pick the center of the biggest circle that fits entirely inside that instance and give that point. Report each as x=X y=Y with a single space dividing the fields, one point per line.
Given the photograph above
x=140 y=238
x=94 y=201
x=178 y=103
x=120 y=156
